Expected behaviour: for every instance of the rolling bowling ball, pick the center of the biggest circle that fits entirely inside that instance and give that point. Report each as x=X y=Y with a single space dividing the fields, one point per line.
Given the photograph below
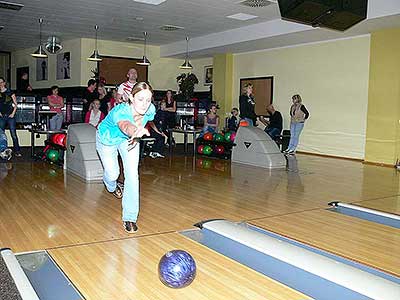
x=228 y=136
x=207 y=150
x=177 y=269
x=219 y=149
x=208 y=136
x=218 y=137
x=200 y=149
x=233 y=135
x=53 y=155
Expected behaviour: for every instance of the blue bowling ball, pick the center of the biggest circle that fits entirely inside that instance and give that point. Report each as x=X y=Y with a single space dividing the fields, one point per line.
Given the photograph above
x=177 y=269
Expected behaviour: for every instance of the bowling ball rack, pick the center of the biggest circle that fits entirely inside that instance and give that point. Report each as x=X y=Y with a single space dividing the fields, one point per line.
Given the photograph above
x=213 y=144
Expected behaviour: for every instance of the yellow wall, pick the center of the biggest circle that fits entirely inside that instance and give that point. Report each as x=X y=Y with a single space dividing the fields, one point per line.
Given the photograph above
x=382 y=142
x=23 y=58
x=162 y=72
x=223 y=83
x=331 y=77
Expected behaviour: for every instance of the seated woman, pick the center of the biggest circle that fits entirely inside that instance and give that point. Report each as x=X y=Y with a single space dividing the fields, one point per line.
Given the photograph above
x=211 y=120
x=94 y=116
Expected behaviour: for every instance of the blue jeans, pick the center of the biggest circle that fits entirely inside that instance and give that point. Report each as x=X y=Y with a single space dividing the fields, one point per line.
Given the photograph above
x=272 y=132
x=295 y=130
x=130 y=160
x=3 y=141
x=207 y=129
x=12 y=125
x=56 y=122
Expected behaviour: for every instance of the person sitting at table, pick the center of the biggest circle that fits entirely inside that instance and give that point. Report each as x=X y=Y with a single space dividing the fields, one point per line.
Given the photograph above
x=56 y=103
x=211 y=120
x=94 y=116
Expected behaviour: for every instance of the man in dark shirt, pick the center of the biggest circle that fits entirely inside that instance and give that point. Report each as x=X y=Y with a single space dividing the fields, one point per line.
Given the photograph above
x=88 y=96
x=274 y=124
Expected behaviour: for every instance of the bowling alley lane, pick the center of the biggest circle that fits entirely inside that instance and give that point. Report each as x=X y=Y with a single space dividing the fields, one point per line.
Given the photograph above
x=369 y=243
x=128 y=269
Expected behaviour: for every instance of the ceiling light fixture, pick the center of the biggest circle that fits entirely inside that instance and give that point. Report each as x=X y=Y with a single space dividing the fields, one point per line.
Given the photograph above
x=40 y=53
x=186 y=65
x=144 y=61
x=10 y=5
x=95 y=56
x=151 y=2
x=53 y=45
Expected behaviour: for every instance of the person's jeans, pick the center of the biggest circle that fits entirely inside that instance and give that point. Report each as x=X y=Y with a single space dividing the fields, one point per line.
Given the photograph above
x=3 y=140
x=205 y=130
x=12 y=125
x=272 y=132
x=130 y=160
x=56 y=121
x=295 y=130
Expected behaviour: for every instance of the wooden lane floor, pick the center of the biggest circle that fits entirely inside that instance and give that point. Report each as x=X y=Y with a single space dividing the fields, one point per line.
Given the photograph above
x=390 y=204
x=41 y=207
x=128 y=270
x=363 y=241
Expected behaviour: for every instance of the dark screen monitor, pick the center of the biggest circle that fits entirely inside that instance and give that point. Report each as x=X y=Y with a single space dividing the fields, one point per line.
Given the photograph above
x=333 y=14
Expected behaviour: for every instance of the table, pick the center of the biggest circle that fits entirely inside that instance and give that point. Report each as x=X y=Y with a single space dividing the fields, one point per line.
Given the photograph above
x=40 y=131
x=48 y=114
x=185 y=132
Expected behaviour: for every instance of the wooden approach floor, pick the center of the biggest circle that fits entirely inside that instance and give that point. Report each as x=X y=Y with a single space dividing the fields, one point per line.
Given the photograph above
x=79 y=224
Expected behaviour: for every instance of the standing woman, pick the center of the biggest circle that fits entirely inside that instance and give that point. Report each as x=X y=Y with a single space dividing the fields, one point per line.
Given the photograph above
x=56 y=104
x=170 y=108
x=247 y=104
x=116 y=134
x=298 y=115
x=8 y=108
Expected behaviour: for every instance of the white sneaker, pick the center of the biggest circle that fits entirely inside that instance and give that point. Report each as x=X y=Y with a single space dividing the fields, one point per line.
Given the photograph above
x=6 y=154
x=156 y=155
x=291 y=152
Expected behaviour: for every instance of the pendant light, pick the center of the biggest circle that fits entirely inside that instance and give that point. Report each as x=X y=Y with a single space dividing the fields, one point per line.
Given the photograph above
x=186 y=65
x=95 y=56
x=40 y=53
x=145 y=61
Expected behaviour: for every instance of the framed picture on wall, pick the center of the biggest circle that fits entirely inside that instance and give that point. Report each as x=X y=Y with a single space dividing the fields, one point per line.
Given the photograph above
x=63 y=66
x=208 y=75
x=41 y=69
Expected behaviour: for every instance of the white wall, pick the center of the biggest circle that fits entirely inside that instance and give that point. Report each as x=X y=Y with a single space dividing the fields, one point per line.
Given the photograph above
x=332 y=78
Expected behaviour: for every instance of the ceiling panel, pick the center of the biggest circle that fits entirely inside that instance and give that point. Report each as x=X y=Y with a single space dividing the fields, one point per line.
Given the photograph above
x=117 y=19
